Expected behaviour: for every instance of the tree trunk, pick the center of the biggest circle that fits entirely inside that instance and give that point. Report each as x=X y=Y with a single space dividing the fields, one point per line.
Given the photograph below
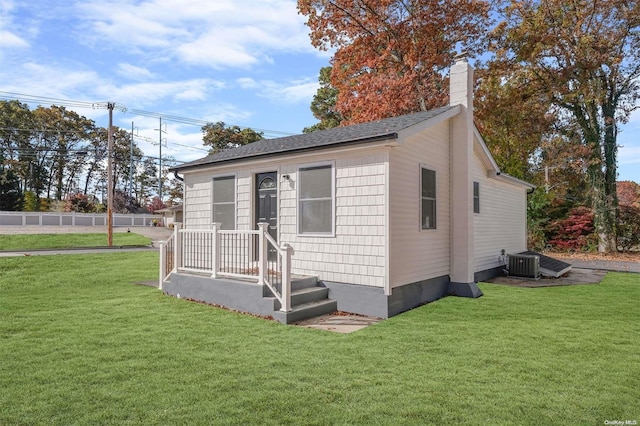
x=604 y=218
x=611 y=174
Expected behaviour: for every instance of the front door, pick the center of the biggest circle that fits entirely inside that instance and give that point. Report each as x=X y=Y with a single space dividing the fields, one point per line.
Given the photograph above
x=267 y=201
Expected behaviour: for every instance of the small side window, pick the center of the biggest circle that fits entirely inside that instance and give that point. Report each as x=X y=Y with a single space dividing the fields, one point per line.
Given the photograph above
x=428 y=199
x=476 y=197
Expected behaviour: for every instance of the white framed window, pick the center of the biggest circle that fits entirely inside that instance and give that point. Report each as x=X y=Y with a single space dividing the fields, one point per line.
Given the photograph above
x=427 y=198
x=316 y=200
x=476 y=197
x=224 y=201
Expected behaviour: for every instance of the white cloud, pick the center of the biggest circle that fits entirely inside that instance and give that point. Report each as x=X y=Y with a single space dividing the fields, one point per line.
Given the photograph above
x=142 y=94
x=12 y=41
x=48 y=80
x=133 y=72
x=200 y=32
x=212 y=52
x=291 y=92
x=85 y=85
x=247 y=83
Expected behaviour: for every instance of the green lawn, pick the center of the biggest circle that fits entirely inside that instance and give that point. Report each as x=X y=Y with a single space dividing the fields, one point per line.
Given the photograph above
x=81 y=344
x=45 y=241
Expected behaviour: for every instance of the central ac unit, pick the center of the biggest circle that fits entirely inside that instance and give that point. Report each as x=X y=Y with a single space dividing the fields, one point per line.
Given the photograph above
x=527 y=266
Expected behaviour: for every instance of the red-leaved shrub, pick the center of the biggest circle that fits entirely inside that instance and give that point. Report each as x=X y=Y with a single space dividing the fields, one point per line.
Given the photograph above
x=575 y=232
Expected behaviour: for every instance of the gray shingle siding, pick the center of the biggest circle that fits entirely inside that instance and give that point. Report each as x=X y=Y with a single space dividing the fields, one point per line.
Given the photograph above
x=323 y=139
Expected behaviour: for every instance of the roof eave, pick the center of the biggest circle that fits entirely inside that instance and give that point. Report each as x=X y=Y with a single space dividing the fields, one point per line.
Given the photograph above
x=180 y=169
x=512 y=180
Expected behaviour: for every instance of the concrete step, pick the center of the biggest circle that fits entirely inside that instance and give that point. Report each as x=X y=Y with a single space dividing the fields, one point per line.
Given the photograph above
x=303 y=281
x=304 y=295
x=298 y=282
x=308 y=294
x=306 y=310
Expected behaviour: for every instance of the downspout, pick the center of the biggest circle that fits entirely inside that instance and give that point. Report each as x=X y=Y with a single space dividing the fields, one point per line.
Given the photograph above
x=184 y=197
x=387 y=225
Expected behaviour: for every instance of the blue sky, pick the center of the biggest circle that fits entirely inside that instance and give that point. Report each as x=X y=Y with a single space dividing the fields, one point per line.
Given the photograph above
x=248 y=63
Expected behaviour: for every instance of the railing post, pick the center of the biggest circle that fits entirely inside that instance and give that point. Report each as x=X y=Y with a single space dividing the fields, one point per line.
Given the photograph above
x=177 y=249
x=163 y=263
x=263 y=227
x=215 y=250
x=286 y=278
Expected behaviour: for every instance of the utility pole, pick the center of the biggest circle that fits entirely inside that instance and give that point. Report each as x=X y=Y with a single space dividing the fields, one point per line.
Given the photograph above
x=110 y=106
x=110 y=192
x=160 y=160
x=131 y=164
x=160 y=132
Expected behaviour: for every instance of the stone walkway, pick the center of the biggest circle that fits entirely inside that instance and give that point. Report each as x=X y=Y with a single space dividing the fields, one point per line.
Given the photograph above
x=339 y=322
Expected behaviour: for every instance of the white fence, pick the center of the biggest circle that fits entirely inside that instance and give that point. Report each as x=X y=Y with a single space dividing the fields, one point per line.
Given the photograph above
x=74 y=219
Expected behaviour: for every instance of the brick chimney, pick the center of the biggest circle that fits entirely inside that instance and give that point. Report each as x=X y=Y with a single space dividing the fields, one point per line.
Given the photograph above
x=461 y=83
x=461 y=167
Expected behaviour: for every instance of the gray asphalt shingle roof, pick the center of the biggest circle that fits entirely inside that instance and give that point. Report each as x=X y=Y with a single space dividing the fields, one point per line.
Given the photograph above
x=357 y=133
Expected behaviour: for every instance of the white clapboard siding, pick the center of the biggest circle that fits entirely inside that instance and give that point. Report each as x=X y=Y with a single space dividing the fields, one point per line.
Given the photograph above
x=197 y=202
x=356 y=254
x=501 y=223
x=417 y=254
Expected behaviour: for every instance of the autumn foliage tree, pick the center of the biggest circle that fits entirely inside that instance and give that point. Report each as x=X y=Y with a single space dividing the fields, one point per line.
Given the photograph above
x=155 y=205
x=584 y=57
x=80 y=203
x=628 y=193
x=628 y=215
x=323 y=105
x=514 y=134
x=218 y=136
x=391 y=55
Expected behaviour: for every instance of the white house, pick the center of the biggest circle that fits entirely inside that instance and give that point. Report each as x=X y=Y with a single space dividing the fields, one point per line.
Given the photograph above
x=382 y=216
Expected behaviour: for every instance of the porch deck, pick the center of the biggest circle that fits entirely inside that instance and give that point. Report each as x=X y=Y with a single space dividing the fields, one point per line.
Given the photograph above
x=244 y=270
x=308 y=298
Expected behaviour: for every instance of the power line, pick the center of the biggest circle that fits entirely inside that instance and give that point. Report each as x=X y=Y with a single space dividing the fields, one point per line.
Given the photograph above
x=85 y=151
x=92 y=105
x=17 y=129
x=139 y=137
x=40 y=99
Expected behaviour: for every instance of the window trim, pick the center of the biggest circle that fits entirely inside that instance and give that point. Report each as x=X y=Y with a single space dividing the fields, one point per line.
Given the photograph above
x=235 y=197
x=434 y=199
x=476 y=197
x=301 y=167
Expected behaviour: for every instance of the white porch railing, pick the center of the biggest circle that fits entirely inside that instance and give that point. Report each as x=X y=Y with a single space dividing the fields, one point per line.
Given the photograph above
x=250 y=254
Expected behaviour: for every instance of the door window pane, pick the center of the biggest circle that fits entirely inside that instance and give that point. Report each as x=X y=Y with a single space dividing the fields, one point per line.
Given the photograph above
x=267 y=183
